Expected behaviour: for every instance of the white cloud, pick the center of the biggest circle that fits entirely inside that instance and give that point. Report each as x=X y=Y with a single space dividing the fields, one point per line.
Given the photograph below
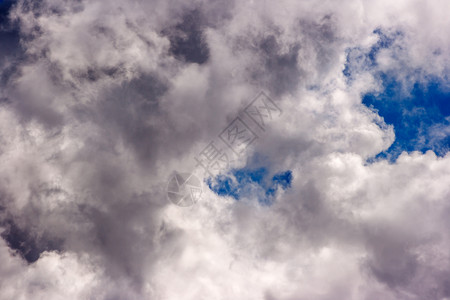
x=99 y=114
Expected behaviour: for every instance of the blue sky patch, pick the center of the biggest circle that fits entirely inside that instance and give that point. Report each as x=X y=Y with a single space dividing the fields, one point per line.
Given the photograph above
x=249 y=182
x=419 y=112
x=420 y=116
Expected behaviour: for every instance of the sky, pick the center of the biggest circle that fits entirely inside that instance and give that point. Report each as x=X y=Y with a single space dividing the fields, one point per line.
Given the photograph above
x=212 y=149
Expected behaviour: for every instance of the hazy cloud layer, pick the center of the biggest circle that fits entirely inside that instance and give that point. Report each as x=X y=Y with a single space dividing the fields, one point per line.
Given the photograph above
x=100 y=101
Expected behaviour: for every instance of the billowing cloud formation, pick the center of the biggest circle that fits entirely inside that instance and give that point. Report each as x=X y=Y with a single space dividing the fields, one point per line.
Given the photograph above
x=100 y=101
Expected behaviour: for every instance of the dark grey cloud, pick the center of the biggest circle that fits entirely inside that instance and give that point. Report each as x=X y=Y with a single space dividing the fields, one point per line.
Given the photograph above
x=28 y=246
x=11 y=52
x=283 y=68
x=187 y=40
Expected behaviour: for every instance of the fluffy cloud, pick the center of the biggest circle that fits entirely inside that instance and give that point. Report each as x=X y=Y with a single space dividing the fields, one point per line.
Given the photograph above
x=101 y=101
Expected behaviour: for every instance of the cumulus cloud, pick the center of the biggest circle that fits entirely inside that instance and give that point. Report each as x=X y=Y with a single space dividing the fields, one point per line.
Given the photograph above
x=101 y=101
